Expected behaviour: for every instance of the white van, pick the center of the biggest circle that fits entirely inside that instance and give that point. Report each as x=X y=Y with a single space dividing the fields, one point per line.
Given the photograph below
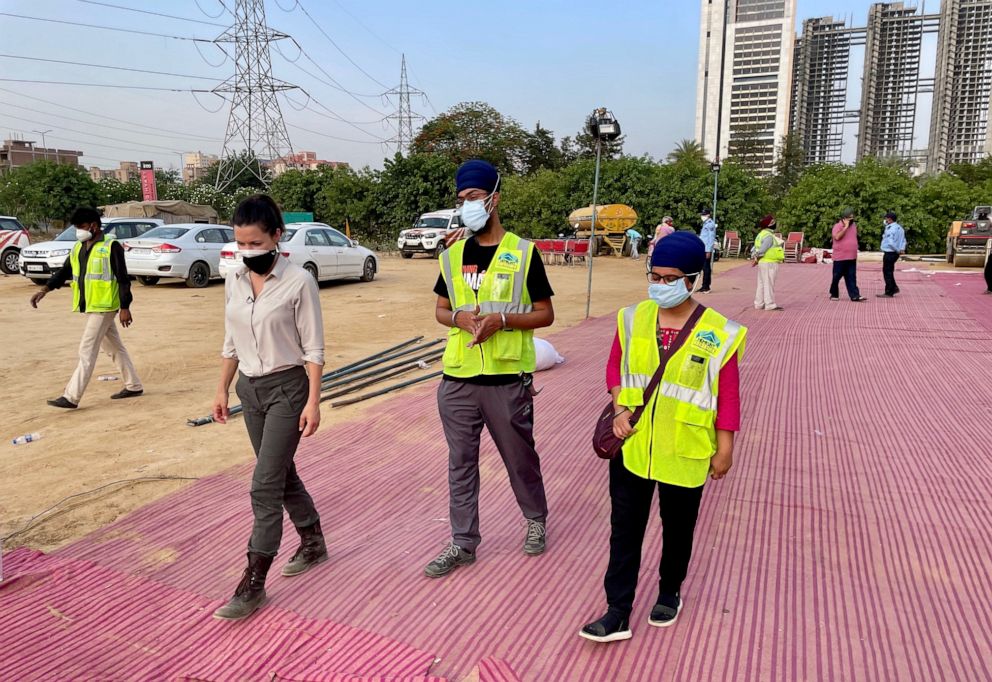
x=428 y=233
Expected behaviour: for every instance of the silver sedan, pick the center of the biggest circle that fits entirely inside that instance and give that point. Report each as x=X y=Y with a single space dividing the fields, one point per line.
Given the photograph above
x=189 y=251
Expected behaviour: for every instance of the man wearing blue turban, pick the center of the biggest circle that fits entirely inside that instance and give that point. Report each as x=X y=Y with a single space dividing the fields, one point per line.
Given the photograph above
x=492 y=293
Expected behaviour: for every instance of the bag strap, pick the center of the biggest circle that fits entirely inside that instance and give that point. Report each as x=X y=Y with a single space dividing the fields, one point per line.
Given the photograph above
x=679 y=341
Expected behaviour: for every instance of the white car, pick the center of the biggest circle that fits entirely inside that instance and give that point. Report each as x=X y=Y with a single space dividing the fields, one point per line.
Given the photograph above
x=189 y=251
x=428 y=234
x=13 y=239
x=317 y=248
x=39 y=261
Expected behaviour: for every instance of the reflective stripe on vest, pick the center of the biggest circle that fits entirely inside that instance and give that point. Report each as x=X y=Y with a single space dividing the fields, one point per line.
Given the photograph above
x=102 y=293
x=675 y=439
x=502 y=290
x=776 y=254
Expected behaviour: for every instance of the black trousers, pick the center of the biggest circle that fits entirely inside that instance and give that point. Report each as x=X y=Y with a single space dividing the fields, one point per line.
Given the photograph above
x=631 y=497
x=848 y=271
x=889 y=260
x=988 y=274
x=272 y=408
x=707 y=272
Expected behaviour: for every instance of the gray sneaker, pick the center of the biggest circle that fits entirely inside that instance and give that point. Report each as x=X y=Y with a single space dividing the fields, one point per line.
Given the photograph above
x=536 y=538
x=451 y=558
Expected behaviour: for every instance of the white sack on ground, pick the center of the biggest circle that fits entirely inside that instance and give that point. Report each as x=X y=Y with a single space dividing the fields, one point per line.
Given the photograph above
x=547 y=356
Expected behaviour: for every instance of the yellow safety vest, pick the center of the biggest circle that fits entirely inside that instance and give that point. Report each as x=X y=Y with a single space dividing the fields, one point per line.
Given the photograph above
x=676 y=436
x=503 y=290
x=776 y=254
x=102 y=292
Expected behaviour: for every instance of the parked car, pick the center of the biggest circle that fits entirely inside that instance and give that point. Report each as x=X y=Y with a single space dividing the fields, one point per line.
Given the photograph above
x=319 y=249
x=428 y=234
x=14 y=238
x=39 y=261
x=189 y=251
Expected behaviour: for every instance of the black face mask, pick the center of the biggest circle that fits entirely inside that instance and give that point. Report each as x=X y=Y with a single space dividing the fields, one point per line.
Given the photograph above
x=262 y=264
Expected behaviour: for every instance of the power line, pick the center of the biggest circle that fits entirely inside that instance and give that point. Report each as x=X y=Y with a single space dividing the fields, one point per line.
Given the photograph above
x=60 y=105
x=334 y=116
x=336 y=46
x=106 y=28
x=104 y=66
x=404 y=115
x=83 y=132
x=85 y=142
x=157 y=14
x=334 y=137
x=99 y=85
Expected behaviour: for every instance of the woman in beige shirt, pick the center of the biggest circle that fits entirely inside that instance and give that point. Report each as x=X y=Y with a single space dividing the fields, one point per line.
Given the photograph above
x=274 y=342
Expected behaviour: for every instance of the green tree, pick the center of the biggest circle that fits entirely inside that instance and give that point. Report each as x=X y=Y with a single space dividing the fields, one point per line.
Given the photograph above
x=406 y=187
x=541 y=151
x=974 y=174
x=789 y=166
x=297 y=190
x=748 y=146
x=583 y=146
x=113 y=191
x=46 y=191
x=250 y=168
x=474 y=130
x=688 y=151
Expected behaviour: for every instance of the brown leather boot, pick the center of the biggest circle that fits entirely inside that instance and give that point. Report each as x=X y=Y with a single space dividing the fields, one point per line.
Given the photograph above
x=312 y=551
x=250 y=593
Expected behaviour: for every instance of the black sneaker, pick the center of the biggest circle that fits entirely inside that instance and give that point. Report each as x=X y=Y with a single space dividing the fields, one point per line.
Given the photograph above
x=859 y=299
x=451 y=558
x=835 y=298
x=610 y=628
x=666 y=611
x=536 y=539
x=126 y=393
x=885 y=295
x=63 y=402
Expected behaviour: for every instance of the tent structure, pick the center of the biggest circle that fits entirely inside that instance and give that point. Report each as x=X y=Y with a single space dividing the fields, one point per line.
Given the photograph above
x=170 y=211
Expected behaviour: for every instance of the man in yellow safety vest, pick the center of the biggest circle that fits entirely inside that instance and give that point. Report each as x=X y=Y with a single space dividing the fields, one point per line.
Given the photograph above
x=101 y=289
x=492 y=294
x=766 y=256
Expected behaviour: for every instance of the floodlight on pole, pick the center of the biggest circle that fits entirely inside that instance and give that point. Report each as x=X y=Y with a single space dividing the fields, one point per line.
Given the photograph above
x=715 y=167
x=603 y=126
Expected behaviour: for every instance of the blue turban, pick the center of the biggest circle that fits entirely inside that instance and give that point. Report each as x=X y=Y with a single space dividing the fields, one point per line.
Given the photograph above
x=681 y=250
x=477 y=174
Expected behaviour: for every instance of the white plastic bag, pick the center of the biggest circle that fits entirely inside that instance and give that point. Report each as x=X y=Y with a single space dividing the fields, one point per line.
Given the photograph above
x=547 y=356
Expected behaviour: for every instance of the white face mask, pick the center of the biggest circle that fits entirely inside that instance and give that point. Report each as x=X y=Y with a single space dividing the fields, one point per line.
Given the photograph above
x=475 y=214
x=83 y=235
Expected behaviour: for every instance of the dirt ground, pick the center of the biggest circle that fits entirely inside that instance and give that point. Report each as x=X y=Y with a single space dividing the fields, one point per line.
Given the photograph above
x=175 y=342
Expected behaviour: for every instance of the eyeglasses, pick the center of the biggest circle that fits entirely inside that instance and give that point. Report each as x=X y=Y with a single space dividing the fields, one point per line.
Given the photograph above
x=475 y=196
x=669 y=280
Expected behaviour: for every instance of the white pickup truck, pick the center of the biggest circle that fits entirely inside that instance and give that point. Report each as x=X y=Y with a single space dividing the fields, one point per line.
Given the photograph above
x=428 y=233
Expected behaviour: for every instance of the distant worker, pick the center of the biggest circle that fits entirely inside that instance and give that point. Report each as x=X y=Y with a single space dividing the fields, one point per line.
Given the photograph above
x=893 y=245
x=101 y=289
x=665 y=228
x=635 y=239
x=766 y=256
x=493 y=293
x=708 y=234
x=845 y=257
x=988 y=272
x=274 y=343
x=685 y=435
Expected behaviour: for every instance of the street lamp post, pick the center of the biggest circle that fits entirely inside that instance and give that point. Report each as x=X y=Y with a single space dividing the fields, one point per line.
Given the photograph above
x=603 y=126
x=715 y=167
x=43 y=144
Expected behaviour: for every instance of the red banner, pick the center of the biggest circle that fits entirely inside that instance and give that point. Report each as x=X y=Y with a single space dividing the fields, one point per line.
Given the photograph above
x=149 y=191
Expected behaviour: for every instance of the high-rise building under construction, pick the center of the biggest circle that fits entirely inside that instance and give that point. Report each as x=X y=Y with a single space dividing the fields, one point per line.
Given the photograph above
x=745 y=76
x=890 y=119
x=961 y=123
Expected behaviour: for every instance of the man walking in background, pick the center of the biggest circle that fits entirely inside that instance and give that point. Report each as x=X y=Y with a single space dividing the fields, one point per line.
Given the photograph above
x=708 y=234
x=845 y=255
x=102 y=290
x=893 y=245
x=635 y=239
x=766 y=256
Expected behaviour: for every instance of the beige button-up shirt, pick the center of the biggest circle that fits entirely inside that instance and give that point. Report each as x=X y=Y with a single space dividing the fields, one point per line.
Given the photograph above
x=281 y=329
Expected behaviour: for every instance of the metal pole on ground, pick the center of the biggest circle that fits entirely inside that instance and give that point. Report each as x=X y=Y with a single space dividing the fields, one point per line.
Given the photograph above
x=592 y=234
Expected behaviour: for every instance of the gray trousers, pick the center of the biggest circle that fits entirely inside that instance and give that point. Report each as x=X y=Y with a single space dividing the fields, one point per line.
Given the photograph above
x=272 y=408
x=508 y=413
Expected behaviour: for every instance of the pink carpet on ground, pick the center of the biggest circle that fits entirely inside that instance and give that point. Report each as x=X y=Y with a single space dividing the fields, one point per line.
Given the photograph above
x=849 y=542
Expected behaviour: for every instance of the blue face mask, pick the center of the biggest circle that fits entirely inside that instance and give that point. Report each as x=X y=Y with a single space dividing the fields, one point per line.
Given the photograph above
x=475 y=215
x=669 y=295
